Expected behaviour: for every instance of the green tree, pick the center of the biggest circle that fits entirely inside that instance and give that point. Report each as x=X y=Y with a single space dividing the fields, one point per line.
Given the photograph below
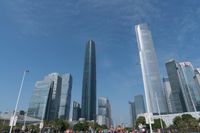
x=81 y=126
x=140 y=120
x=104 y=127
x=5 y=128
x=191 y=123
x=129 y=129
x=185 y=123
x=34 y=128
x=157 y=124
x=179 y=123
x=98 y=127
x=60 y=125
x=57 y=125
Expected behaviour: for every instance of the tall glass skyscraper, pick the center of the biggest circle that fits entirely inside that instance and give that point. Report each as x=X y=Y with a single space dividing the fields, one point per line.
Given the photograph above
x=88 y=106
x=184 y=90
x=76 y=111
x=55 y=98
x=197 y=79
x=132 y=113
x=65 y=99
x=177 y=95
x=190 y=91
x=139 y=104
x=168 y=94
x=40 y=101
x=197 y=82
x=104 y=112
x=150 y=73
x=51 y=97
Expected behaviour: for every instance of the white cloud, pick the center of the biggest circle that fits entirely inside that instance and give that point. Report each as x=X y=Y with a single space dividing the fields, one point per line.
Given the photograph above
x=35 y=17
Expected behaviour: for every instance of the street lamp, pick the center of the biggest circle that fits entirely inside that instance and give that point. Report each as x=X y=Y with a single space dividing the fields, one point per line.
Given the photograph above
x=19 y=94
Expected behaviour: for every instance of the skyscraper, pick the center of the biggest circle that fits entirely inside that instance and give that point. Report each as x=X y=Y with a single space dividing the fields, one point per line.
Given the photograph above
x=76 y=111
x=197 y=79
x=183 y=86
x=104 y=112
x=188 y=86
x=40 y=101
x=132 y=113
x=139 y=104
x=65 y=99
x=197 y=82
x=49 y=100
x=150 y=73
x=88 y=106
x=178 y=103
x=168 y=94
x=55 y=98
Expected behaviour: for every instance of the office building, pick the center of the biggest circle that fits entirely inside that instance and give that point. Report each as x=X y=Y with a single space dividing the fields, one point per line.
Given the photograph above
x=184 y=88
x=76 y=111
x=88 y=105
x=55 y=97
x=65 y=99
x=49 y=99
x=139 y=104
x=189 y=87
x=150 y=72
x=168 y=94
x=40 y=101
x=132 y=113
x=178 y=103
x=104 y=112
x=197 y=82
x=197 y=79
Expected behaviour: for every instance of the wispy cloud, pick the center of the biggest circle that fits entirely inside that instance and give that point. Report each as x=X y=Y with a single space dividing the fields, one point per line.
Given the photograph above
x=40 y=16
x=189 y=24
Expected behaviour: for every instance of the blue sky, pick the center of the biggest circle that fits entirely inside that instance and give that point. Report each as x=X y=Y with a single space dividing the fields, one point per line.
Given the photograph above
x=50 y=35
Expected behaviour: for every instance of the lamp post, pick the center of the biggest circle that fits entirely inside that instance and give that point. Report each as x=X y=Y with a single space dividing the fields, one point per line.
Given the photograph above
x=19 y=94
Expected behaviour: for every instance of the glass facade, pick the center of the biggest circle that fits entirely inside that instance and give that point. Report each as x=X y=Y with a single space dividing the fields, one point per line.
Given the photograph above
x=150 y=71
x=168 y=94
x=190 y=91
x=139 y=104
x=132 y=113
x=178 y=103
x=55 y=98
x=197 y=83
x=76 y=111
x=39 y=104
x=47 y=100
x=65 y=99
x=104 y=112
x=88 y=106
x=184 y=90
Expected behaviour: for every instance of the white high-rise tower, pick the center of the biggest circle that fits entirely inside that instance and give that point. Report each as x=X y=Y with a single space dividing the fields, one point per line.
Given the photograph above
x=150 y=73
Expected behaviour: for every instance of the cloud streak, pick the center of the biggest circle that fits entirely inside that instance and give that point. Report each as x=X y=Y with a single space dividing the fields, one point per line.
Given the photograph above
x=38 y=16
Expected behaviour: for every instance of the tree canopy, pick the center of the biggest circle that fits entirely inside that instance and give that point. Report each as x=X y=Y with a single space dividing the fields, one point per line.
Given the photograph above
x=58 y=125
x=185 y=123
x=81 y=126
